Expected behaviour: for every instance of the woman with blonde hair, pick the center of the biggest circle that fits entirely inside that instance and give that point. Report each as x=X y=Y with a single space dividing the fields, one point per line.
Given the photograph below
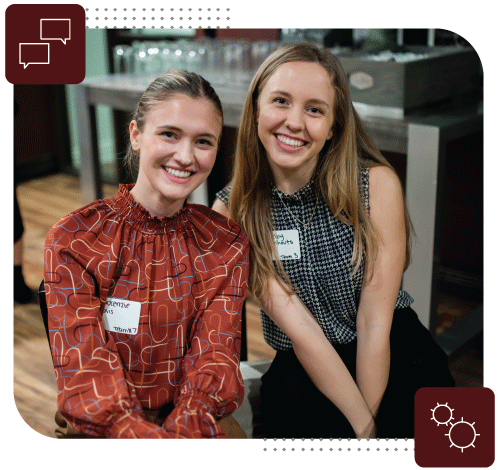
x=145 y=291
x=330 y=240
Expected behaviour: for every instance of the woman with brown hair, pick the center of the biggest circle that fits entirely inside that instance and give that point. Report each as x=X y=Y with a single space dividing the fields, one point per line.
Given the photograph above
x=330 y=240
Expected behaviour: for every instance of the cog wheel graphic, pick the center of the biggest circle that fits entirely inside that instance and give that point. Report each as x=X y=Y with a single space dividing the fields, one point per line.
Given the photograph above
x=443 y=414
x=467 y=431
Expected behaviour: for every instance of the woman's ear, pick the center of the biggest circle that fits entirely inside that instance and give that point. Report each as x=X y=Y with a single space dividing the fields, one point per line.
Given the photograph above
x=332 y=130
x=134 y=135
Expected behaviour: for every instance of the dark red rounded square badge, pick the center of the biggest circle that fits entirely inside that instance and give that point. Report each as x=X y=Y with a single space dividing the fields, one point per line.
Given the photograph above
x=455 y=427
x=45 y=44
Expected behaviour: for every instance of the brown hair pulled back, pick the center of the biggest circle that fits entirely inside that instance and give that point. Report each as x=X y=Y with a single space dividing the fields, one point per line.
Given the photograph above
x=166 y=85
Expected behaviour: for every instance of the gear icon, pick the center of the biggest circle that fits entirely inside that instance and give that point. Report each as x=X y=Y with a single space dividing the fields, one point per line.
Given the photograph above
x=442 y=412
x=466 y=432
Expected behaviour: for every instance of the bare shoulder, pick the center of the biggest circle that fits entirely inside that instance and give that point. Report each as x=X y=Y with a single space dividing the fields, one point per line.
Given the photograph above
x=382 y=177
x=221 y=208
x=384 y=186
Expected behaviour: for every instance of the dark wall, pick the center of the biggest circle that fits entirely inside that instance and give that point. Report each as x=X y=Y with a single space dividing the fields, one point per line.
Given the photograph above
x=462 y=220
x=41 y=138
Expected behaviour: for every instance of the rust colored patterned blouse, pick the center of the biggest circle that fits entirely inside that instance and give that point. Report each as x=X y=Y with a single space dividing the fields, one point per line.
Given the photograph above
x=145 y=313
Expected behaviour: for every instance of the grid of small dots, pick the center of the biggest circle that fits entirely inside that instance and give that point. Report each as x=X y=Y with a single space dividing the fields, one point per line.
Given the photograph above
x=159 y=18
x=332 y=448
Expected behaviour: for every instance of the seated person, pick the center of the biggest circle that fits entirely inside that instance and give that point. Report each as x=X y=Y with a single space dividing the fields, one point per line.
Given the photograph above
x=145 y=291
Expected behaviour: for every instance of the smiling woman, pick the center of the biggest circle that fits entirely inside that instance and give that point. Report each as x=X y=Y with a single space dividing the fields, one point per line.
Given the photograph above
x=174 y=136
x=137 y=284
x=329 y=235
x=177 y=147
x=295 y=119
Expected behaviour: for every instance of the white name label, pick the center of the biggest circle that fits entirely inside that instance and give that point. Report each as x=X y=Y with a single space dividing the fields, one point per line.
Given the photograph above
x=121 y=316
x=287 y=243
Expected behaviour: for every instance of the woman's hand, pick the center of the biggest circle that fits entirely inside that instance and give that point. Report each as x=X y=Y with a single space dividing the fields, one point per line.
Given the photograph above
x=319 y=358
x=369 y=432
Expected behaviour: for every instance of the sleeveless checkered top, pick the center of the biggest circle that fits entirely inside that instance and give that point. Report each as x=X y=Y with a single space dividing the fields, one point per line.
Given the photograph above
x=322 y=274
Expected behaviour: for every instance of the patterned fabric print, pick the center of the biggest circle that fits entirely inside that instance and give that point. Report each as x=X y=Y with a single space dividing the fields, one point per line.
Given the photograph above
x=188 y=276
x=323 y=271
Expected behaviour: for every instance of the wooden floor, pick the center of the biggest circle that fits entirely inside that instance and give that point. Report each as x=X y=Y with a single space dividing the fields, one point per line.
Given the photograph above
x=43 y=202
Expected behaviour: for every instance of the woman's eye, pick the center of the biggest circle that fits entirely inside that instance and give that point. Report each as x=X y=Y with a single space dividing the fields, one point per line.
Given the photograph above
x=169 y=134
x=280 y=100
x=205 y=142
x=316 y=110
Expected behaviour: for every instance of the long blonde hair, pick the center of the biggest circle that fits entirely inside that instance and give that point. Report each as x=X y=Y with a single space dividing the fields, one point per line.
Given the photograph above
x=336 y=175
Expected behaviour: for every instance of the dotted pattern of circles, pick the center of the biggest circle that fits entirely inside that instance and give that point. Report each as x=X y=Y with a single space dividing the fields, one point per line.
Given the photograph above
x=158 y=18
x=338 y=445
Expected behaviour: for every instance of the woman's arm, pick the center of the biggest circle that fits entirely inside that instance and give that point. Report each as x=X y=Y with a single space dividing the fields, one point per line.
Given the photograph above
x=379 y=294
x=211 y=386
x=319 y=358
x=95 y=392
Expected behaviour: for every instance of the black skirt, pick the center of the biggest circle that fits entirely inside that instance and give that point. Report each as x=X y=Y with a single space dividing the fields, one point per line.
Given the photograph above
x=293 y=407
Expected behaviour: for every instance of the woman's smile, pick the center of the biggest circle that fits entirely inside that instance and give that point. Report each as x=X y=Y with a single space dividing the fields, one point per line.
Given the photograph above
x=295 y=116
x=290 y=143
x=180 y=174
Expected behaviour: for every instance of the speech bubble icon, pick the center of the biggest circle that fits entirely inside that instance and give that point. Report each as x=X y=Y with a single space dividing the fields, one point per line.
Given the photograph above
x=34 y=53
x=55 y=29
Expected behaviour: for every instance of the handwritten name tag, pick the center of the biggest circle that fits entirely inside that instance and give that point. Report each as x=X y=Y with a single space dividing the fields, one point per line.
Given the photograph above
x=288 y=244
x=121 y=316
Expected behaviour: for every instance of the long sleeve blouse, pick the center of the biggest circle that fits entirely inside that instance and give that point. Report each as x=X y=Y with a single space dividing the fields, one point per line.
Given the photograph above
x=143 y=313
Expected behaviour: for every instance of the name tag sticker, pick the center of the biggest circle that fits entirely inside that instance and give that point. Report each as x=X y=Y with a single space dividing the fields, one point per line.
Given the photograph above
x=121 y=316
x=288 y=244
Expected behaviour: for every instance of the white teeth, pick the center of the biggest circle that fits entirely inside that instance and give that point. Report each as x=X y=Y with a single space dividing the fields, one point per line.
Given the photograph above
x=178 y=173
x=288 y=141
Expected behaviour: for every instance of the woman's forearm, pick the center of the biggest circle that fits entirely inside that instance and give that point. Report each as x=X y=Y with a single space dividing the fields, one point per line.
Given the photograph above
x=318 y=357
x=330 y=375
x=372 y=367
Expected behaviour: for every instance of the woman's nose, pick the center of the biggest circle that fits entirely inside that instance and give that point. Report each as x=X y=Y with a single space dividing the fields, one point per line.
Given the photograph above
x=295 y=119
x=185 y=153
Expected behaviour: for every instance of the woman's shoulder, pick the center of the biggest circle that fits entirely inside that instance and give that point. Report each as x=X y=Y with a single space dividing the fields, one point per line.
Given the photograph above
x=384 y=180
x=86 y=220
x=219 y=224
x=385 y=187
x=376 y=182
x=223 y=195
x=221 y=207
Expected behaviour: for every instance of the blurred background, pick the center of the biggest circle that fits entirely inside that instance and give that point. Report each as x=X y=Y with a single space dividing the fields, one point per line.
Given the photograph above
x=418 y=92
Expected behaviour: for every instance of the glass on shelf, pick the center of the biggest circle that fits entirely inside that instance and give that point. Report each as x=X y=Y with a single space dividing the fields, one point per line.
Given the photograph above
x=194 y=57
x=221 y=61
x=140 y=57
x=123 y=59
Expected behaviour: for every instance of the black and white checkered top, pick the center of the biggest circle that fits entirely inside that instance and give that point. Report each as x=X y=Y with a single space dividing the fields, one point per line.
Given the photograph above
x=322 y=274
